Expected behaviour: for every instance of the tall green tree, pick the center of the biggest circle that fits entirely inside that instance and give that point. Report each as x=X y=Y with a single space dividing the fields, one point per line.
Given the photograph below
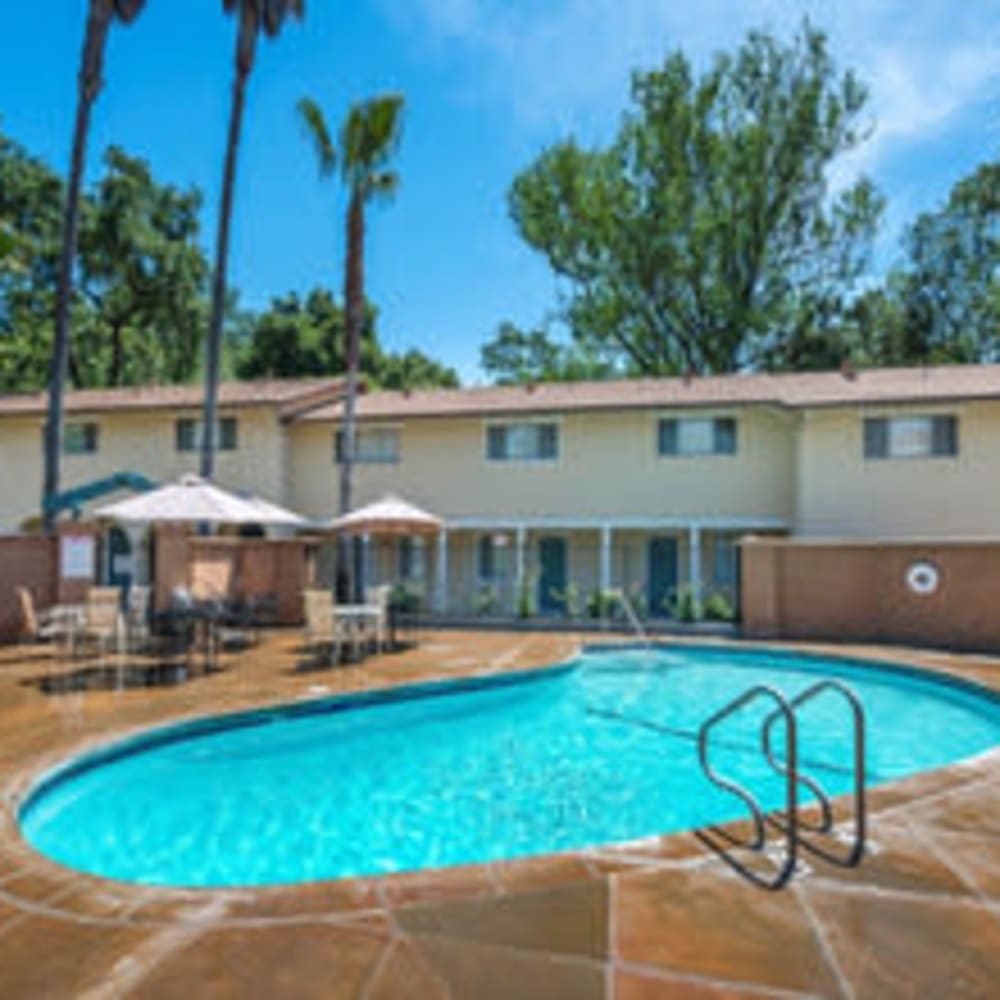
x=254 y=17
x=949 y=283
x=706 y=233
x=101 y=14
x=298 y=337
x=369 y=138
x=516 y=357
x=139 y=303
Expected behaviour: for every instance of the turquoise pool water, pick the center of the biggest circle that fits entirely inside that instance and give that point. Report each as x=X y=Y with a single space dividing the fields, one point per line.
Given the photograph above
x=604 y=750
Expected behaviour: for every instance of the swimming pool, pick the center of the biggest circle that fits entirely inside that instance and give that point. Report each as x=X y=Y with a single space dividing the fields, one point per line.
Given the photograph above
x=598 y=751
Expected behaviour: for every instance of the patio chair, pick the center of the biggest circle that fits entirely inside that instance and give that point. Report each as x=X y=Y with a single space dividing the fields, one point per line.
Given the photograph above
x=323 y=631
x=103 y=622
x=378 y=597
x=137 y=607
x=38 y=626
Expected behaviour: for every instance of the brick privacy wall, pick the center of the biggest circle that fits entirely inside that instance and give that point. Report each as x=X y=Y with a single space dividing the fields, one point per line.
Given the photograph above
x=250 y=567
x=857 y=591
x=25 y=561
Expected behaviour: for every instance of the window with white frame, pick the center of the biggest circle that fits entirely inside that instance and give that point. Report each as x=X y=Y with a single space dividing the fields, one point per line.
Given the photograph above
x=532 y=441
x=697 y=436
x=187 y=434
x=80 y=438
x=372 y=446
x=916 y=436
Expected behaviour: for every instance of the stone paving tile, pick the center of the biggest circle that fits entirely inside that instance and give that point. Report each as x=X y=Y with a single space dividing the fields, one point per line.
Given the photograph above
x=967 y=810
x=905 y=946
x=568 y=920
x=41 y=957
x=717 y=926
x=633 y=985
x=976 y=859
x=437 y=884
x=303 y=961
x=475 y=971
x=895 y=859
x=310 y=899
x=403 y=973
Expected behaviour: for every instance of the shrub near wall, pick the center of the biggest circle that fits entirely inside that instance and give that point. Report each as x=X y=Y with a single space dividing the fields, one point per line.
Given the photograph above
x=859 y=591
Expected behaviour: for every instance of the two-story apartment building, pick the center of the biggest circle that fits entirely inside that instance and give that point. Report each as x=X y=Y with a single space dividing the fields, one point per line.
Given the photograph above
x=552 y=492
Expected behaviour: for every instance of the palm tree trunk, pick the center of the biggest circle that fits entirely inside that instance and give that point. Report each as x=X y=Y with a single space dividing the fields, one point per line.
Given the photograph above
x=213 y=348
x=91 y=64
x=354 y=302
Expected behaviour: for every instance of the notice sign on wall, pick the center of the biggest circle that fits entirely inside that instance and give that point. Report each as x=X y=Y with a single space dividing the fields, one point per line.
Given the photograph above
x=76 y=557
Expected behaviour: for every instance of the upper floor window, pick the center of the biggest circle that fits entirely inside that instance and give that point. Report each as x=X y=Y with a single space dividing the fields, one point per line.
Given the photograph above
x=526 y=442
x=697 y=436
x=911 y=436
x=80 y=439
x=187 y=434
x=373 y=446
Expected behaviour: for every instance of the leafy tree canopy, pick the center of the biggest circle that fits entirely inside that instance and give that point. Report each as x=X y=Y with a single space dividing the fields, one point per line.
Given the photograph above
x=301 y=337
x=516 y=356
x=140 y=307
x=138 y=313
x=704 y=236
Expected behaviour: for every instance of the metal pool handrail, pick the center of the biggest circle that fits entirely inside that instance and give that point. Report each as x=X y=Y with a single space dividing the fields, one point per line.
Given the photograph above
x=825 y=825
x=758 y=841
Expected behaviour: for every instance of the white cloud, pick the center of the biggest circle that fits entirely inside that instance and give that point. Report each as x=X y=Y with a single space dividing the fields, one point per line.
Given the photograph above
x=557 y=64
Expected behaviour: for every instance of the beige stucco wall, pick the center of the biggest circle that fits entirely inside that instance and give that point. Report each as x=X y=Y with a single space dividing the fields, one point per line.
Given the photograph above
x=136 y=442
x=608 y=467
x=840 y=493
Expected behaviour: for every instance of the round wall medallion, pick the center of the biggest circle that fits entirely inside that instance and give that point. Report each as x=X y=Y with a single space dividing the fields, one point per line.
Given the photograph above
x=923 y=578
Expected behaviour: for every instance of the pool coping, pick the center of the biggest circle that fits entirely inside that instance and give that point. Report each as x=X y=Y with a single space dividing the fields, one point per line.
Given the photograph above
x=353 y=896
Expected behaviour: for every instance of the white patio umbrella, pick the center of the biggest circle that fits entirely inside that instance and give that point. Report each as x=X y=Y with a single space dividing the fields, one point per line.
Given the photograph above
x=391 y=515
x=192 y=500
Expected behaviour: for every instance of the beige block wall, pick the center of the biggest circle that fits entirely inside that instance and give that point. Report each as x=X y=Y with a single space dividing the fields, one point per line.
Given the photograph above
x=608 y=467
x=840 y=493
x=137 y=442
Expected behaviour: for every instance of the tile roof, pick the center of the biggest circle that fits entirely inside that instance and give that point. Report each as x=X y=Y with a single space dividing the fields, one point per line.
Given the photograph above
x=812 y=389
x=292 y=396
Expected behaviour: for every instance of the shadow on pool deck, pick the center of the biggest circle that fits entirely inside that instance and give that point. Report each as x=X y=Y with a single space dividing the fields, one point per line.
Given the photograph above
x=657 y=918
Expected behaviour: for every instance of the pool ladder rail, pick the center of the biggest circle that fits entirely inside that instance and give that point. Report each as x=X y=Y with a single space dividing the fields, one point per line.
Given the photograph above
x=789 y=822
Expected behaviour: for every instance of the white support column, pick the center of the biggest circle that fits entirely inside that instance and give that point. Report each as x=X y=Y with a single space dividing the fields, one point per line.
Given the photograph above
x=139 y=540
x=605 y=576
x=442 y=572
x=366 y=564
x=519 y=580
x=694 y=559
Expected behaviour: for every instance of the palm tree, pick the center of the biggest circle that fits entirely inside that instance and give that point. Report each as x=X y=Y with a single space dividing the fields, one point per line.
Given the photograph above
x=369 y=138
x=100 y=16
x=255 y=16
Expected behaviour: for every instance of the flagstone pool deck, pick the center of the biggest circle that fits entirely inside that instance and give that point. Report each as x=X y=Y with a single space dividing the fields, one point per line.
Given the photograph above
x=649 y=920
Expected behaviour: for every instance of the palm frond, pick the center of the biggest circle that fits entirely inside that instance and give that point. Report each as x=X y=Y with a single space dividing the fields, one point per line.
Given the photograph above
x=128 y=10
x=371 y=135
x=274 y=13
x=314 y=123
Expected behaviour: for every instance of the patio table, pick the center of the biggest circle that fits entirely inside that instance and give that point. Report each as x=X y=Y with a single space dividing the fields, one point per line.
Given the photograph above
x=356 y=616
x=71 y=618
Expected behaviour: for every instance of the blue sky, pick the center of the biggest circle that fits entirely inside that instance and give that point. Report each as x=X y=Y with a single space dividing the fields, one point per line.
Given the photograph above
x=488 y=83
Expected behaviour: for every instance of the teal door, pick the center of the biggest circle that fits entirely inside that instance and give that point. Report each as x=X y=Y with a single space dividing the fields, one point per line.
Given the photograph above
x=121 y=564
x=552 y=575
x=662 y=582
